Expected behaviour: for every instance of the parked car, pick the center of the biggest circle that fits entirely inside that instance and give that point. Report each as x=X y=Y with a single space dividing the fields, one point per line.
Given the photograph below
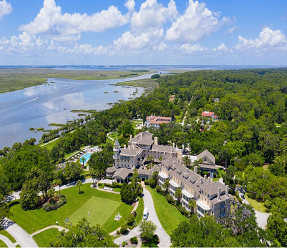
x=145 y=213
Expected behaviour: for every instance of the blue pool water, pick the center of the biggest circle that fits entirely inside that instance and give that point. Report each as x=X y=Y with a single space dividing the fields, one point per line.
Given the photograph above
x=86 y=157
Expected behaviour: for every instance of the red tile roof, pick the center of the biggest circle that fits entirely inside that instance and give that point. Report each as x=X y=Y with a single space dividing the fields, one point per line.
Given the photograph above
x=158 y=119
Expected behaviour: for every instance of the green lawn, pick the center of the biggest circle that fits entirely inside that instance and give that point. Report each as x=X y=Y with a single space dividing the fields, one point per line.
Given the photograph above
x=168 y=214
x=49 y=146
x=34 y=220
x=2 y=244
x=5 y=233
x=140 y=210
x=100 y=210
x=259 y=206
x=43 y=239
x=135 y=123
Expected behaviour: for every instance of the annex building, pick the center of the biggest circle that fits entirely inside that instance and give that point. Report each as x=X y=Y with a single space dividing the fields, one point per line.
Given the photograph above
x=211 y=197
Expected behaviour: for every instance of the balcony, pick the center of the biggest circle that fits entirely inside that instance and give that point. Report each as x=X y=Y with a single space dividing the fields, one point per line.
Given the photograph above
x=186 y=196
x=173 y=185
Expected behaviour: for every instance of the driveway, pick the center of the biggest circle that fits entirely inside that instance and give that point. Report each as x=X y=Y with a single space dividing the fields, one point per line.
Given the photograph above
x=261 y=218
x=163 y=236
x=21 y=236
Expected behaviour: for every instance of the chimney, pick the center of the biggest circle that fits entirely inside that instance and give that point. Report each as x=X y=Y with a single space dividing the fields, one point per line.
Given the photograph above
x=218 y=195
x=226 y=191
x=129 y=147
x=195 y=169
x=208 y=179
x=204 y=177
x=173 y=144
x=125 y=146
x=186 y=170
x=131 y=137
x=173 y=163
x=156 y=141
x=201 y=180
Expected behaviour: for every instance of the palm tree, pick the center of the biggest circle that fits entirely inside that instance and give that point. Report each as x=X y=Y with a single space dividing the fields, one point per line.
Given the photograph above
x=58 y=182
x=83 y=160
x=178 y=194
x=166 y=185
x=79 y=184
x=192 y=205
x=94 y=174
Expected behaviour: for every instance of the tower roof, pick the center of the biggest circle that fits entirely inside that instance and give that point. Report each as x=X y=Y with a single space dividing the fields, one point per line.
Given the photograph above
x=117 y=142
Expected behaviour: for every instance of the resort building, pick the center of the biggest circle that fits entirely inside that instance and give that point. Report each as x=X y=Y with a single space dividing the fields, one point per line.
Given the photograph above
x=211 y=197
x=210 y=115
x=155 y=121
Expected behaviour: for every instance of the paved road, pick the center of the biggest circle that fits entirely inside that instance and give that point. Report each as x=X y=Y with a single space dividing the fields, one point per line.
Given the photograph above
x=21 y=236
x=163 y=236
x=261 y=218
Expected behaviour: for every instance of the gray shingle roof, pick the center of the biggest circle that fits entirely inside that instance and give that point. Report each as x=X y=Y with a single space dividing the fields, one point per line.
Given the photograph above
x=207 y=154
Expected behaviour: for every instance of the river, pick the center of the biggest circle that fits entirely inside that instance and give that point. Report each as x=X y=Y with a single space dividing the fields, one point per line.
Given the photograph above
x=52 y=102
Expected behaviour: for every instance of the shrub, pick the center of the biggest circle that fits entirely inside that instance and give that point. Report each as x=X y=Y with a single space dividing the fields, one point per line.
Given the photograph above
x=134 y=240
x=158 y=189
x=54 y=203
x=113 y=185
x=14 y=202
x=124 y=243
x=124 y=229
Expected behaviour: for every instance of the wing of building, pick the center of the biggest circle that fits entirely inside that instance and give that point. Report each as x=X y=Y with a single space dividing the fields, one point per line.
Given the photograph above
x=211 y=197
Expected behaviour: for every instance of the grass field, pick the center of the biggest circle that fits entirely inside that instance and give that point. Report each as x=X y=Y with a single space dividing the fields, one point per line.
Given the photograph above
x=43 y=239
x=49 y=146
x=167 y=214
x=256 y=205
x=145 y=83
x=5 y=233
x=100 y=210
x=34 y=220
x=16 y=79
x=140 y=210
x=2 y=244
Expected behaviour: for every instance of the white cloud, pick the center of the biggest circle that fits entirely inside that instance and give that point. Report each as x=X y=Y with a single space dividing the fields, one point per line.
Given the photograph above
x=196 y=23
x=188 y=48
x=268 y=39
x=231 y=30
x=153 y=15
x=5 y=8
x=51 y=21
x=130 y=41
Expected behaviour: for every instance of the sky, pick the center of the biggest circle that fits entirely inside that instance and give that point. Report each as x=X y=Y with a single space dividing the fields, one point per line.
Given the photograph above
x=143 y=32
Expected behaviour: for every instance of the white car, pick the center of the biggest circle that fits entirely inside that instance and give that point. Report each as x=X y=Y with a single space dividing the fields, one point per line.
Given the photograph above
x=145 y=213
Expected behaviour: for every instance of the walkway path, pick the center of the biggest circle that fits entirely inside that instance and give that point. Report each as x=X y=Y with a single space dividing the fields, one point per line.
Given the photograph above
x=18 y=233
x=108 y=134
x=7 y=241
x=60 y=228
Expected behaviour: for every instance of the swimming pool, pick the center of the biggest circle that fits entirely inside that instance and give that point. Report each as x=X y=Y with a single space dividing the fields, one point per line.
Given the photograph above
x=86 y=157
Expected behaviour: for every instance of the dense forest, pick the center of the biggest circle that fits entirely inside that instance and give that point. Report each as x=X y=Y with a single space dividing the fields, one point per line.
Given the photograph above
x=249 y=139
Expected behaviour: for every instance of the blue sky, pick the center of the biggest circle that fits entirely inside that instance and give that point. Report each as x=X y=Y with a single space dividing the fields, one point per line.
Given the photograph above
x=225 y=32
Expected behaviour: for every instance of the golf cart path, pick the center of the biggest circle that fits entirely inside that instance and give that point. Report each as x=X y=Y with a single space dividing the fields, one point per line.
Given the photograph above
x=60 y=228
x=7 y=241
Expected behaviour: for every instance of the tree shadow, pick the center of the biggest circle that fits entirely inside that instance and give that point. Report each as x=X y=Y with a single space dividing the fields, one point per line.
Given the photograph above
x=81 y=192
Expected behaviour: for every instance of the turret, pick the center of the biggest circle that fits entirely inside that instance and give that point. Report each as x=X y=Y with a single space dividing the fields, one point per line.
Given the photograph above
x=116 y=150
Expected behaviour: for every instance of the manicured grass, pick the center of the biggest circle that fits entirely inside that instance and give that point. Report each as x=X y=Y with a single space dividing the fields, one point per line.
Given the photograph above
x=99 y=209
x=49 y=146
x=168 y=214
x=256 y=205
x=43 y=239
x=2 y=244
x=37 y=219
x=5 y=233
x=135 y=123
x=140 y=210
